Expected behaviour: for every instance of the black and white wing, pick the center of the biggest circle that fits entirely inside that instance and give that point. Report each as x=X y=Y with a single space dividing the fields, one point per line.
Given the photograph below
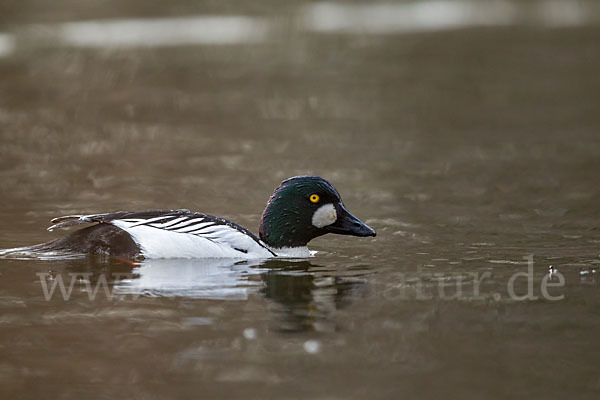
x=178 y=234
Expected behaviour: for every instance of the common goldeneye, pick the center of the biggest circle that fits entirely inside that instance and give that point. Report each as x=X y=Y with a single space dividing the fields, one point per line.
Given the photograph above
x=299 y=210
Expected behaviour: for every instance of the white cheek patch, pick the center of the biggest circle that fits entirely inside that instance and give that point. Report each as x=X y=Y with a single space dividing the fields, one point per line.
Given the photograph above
x=325 y=215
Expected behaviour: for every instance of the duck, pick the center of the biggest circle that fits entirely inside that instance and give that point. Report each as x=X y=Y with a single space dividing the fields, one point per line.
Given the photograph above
x=300 y=209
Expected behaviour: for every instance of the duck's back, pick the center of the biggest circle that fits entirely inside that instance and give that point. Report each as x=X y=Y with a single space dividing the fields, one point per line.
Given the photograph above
x=104 y=239
x=156 y=234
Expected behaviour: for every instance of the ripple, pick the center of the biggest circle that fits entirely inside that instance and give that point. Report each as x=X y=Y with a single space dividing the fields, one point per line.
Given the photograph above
x=525 y=262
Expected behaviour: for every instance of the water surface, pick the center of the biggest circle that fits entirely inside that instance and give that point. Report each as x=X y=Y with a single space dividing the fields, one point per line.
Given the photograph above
x=467 y=149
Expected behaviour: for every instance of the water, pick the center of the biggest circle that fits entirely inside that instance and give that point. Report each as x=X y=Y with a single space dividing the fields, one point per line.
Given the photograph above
x=468 y=149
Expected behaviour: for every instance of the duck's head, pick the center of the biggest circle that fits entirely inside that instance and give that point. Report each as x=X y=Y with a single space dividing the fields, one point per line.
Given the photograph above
x=303 y=208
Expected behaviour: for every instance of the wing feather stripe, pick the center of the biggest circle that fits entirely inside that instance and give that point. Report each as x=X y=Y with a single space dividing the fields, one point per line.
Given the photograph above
x=200 y=231
x=183 y=224
x=149 y=221
x=169 y=224
x=192 y=227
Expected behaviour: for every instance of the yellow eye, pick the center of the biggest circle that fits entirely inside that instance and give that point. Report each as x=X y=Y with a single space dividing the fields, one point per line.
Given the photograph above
x=314 y=198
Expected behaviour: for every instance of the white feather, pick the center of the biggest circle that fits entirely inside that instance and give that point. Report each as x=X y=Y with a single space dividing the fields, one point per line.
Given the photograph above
x=325 y=215
x=147 y=221
x=221 y=243
x=293 y=252
x=190 y=228
x=168 y=224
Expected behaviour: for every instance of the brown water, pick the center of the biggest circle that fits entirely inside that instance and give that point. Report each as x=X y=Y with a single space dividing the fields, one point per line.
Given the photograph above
x=467 y=150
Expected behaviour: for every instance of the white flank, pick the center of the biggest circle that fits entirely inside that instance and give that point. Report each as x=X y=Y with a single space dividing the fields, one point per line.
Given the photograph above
x=220 y=243
x=325 y=215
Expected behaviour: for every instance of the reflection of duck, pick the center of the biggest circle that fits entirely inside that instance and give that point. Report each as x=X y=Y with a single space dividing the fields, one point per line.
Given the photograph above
x=204 y=278
x=307 y=295
x=301 y=209
x=587 y=271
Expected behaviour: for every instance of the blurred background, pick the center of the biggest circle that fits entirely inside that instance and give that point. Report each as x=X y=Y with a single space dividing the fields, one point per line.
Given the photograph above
x=465 y=132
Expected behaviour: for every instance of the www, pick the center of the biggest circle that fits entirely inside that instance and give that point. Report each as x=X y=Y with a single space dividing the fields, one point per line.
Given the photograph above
x=66 y=292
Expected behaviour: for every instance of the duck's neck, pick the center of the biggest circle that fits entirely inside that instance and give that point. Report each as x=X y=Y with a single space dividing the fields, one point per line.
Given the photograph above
x=280 y=231
x=282 y=228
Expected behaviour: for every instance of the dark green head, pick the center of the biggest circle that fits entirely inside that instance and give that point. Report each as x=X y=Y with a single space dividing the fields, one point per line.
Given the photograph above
x=303 y=208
